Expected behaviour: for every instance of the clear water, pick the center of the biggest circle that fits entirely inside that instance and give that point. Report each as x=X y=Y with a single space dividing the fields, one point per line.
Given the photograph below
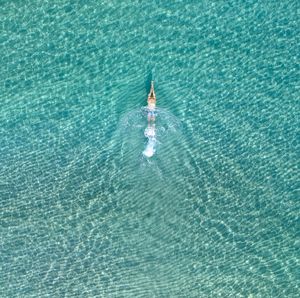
x=214 y=213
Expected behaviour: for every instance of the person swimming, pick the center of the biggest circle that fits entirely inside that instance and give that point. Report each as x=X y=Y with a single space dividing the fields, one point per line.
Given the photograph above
x=151 y=103
x=151 y=114
x=150 y=130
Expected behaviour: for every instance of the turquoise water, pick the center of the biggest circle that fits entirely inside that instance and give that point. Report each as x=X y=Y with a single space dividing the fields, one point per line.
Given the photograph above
x=215 y=212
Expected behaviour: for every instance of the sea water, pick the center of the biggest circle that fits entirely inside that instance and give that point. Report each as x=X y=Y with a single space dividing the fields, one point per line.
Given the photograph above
x=214 y=213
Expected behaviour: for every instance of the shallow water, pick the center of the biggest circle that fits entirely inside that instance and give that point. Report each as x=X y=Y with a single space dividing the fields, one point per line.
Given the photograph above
x=213 y=213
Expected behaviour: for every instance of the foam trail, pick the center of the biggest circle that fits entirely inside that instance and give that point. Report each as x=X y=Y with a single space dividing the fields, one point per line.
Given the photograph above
x=150 y=148
x=138 y=139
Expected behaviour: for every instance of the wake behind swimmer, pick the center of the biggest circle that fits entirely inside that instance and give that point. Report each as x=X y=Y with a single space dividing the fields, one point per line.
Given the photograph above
x=150 y=132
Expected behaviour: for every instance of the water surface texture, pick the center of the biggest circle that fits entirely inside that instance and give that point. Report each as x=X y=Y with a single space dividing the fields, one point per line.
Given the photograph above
x=214 y=213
